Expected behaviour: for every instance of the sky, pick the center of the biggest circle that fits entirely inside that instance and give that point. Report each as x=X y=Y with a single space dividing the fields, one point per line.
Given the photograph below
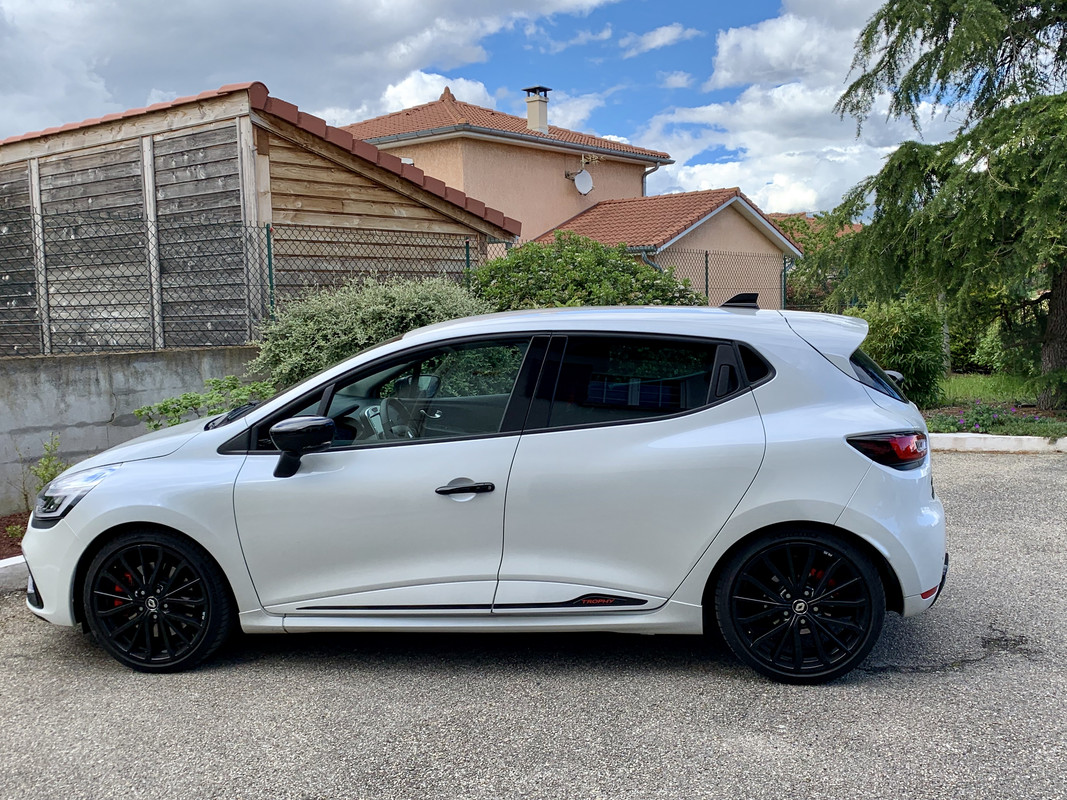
x=738 y=93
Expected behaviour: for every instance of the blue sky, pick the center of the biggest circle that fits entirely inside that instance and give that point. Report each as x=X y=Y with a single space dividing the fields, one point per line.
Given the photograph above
x=739 y=93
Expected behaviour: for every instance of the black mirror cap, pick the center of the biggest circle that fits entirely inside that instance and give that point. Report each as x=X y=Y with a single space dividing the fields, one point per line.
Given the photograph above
x=298 y=436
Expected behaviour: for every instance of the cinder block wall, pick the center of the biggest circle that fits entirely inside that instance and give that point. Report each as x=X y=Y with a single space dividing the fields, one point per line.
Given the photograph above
x=88 y=400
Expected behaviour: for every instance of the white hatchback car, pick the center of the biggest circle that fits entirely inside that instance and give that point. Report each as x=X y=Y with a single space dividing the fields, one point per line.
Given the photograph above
x=652 y=470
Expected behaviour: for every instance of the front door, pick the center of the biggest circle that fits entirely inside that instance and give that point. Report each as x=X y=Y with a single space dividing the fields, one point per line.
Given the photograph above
x=404 y=513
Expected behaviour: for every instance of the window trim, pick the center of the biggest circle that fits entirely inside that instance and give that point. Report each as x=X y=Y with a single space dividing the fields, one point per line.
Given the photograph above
x=541 y=407
x=520 y=397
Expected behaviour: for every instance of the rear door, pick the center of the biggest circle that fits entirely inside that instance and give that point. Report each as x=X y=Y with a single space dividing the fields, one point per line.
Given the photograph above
x=632 y=460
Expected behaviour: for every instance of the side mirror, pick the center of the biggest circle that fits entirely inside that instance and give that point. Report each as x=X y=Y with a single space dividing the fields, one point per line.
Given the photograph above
x=892 y=373
x=297 y=437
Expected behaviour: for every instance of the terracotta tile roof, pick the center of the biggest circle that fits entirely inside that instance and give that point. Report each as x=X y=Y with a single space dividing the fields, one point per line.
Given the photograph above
x=259 y=99
x=448 y=113
x=812 y=222
x=656 y=221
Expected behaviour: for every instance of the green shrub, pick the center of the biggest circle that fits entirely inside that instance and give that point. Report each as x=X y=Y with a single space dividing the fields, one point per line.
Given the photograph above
x=1011 y=349
x=324 y=328
x=49 y=466
x=907 y=337
x=576 y=271
x=220 y=394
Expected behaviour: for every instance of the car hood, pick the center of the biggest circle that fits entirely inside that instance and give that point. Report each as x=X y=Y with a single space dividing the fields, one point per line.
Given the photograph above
x=152 y=445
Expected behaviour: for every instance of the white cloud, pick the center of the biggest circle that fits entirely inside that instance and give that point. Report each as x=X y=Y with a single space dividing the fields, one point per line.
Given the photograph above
x=424 y=87
x=63 y=61
x=553 y=47
x=783 y=146
x=572 y=112
x=779 y=140
x=674 y=80
x=664 y=36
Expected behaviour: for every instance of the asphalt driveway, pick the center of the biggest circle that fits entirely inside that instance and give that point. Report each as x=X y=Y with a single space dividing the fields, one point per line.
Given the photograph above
x=969 y=700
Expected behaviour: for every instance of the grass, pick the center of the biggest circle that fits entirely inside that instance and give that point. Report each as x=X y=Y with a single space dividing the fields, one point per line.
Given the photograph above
x=965 y=389
x=997 y=404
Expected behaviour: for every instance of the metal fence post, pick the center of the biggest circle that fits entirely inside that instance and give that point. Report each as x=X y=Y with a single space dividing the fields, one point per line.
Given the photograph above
x=707 y=284
x=270 y=269
x=467 y=269
x=786 y=262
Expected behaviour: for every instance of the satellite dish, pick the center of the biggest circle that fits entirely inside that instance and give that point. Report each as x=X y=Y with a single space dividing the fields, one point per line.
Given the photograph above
x=583 y=182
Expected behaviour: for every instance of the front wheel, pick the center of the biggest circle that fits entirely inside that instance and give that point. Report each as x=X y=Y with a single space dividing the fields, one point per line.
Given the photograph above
x=157 y=602
x=803 y=607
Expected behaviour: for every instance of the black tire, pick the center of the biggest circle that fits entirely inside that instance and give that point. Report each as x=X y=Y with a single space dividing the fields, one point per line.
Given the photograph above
x=157 y=602
x=800 y=607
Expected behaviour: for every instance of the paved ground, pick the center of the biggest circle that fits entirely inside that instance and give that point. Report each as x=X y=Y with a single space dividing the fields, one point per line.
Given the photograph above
x=968 y=701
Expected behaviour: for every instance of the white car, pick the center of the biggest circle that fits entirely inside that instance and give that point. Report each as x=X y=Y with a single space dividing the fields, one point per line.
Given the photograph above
x=650 y=470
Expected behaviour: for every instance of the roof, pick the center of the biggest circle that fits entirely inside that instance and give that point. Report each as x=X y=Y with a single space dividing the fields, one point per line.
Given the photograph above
x=449 y=115
x=813 y=222
x=259 y=99
x=659 y=221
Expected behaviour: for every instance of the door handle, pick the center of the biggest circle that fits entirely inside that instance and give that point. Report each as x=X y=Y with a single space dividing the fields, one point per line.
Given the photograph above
x=466 y=488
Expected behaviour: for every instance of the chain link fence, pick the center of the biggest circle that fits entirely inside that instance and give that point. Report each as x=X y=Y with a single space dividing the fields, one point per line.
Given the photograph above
x=104 y=282
x=720 y=275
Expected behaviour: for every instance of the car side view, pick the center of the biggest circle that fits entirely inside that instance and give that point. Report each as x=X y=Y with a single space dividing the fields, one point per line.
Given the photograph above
x=647 y=470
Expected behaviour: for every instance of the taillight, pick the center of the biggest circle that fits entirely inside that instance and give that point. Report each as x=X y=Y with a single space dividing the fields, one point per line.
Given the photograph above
x=896 y=450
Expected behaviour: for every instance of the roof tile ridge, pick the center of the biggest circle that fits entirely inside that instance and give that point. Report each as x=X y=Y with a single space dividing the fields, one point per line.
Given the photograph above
x=344 y=139
x=251 y=87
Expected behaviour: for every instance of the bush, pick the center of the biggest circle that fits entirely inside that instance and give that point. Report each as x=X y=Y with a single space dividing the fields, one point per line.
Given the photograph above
x=324 y=328
x=576 y=271
x=907 y=337
x=1011 y=349
x=220 y=394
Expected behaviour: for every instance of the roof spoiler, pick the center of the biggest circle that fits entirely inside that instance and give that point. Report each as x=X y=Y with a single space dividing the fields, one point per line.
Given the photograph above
x=743 y=300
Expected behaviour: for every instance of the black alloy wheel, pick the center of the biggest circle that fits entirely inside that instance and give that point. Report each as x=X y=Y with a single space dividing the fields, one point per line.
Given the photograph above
x=157 y=602
x=805 y=607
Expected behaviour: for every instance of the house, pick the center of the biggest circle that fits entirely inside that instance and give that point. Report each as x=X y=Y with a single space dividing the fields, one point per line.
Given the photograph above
x=537 y=173
x=182 y=223
x=719 y=240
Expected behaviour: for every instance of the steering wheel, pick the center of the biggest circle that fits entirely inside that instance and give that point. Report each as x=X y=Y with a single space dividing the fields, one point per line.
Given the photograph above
x=396 y=419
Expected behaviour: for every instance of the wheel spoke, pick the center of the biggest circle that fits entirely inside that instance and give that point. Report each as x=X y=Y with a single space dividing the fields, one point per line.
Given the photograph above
x=773 y=596
x=798 y=649
x=767 y=612
x=157 y=567
x=136 y=578
x=844 y=623
x=113 y=581
x=787 y=583
x=830 y=634
x=170 y=595
x=836 y=589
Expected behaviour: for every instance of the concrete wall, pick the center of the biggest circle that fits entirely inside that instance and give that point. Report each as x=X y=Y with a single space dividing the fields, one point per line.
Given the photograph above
x=88 y=400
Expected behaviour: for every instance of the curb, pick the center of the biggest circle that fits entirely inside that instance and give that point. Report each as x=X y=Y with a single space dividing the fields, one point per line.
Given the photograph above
x=987 y=443
x=13 y=574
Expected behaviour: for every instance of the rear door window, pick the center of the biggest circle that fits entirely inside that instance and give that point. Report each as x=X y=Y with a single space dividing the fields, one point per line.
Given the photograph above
x=618 y=378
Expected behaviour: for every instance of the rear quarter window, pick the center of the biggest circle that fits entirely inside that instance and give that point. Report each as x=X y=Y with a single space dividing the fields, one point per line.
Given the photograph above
x=870 y=374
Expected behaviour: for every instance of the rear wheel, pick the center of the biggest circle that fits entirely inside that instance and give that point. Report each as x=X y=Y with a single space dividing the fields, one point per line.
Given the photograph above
x=157 y=602
x=804 y=607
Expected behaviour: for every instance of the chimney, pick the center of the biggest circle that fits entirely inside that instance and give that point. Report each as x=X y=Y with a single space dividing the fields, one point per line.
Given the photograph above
x=537 y=108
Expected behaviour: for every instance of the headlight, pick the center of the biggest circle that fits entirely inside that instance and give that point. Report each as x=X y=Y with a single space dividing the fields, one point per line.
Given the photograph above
x=61 y=495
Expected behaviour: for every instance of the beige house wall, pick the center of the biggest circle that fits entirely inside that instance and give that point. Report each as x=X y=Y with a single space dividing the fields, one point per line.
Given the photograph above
x=526 y=183
x=740 y=258
x=732 y=232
